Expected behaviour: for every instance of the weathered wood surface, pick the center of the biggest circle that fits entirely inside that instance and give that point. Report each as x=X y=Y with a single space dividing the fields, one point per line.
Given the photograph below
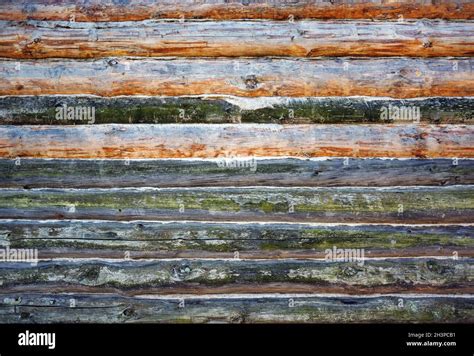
x=87 y=308
x=395 y=77
x=231 y=141
x=331 y=172
x=450 y=204
x=134 y=10
x=150 y=239
x=35 y=39
x=42 y=110
x=181 y=276
x=227 y=213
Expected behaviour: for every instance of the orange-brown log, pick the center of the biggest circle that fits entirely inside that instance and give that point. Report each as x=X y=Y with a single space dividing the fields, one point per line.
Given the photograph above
x=235 y=38
x=395 y=77
x=210 y=141
x=134 y=10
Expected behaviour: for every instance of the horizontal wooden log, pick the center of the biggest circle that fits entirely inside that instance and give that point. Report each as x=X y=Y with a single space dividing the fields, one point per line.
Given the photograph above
x=393 y=77
x=35 y=39
x=87 y=308
x=34 y=110
x=196 y=289
x=144 y=239
x=331 y=172
x=416 y=275
x=236 y=142
x=451 y=204
x=134 y=10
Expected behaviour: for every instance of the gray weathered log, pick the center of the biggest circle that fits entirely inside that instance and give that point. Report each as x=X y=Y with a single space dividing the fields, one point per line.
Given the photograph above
x=177 y=276
x=90 y=308
x=42 y=110
x=115 y=173
x=145 y=239
x=448 y=204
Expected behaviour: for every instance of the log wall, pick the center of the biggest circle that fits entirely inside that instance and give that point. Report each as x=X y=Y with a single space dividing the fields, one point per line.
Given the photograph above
x=236 y=161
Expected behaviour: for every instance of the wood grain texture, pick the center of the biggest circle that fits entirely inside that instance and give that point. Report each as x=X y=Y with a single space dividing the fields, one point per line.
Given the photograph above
x=134 y=10
x=395 y=77
x=237 y=141
x=48 y=308
x=35 y=39
x=417 y=275
x=232 y=290
x=225 y=158
x=331 y=172
x=151 y=239
x=451 y=204
x=42 y=110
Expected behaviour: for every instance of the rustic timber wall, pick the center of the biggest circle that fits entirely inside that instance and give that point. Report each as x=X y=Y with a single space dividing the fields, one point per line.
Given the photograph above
x=202 y=161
